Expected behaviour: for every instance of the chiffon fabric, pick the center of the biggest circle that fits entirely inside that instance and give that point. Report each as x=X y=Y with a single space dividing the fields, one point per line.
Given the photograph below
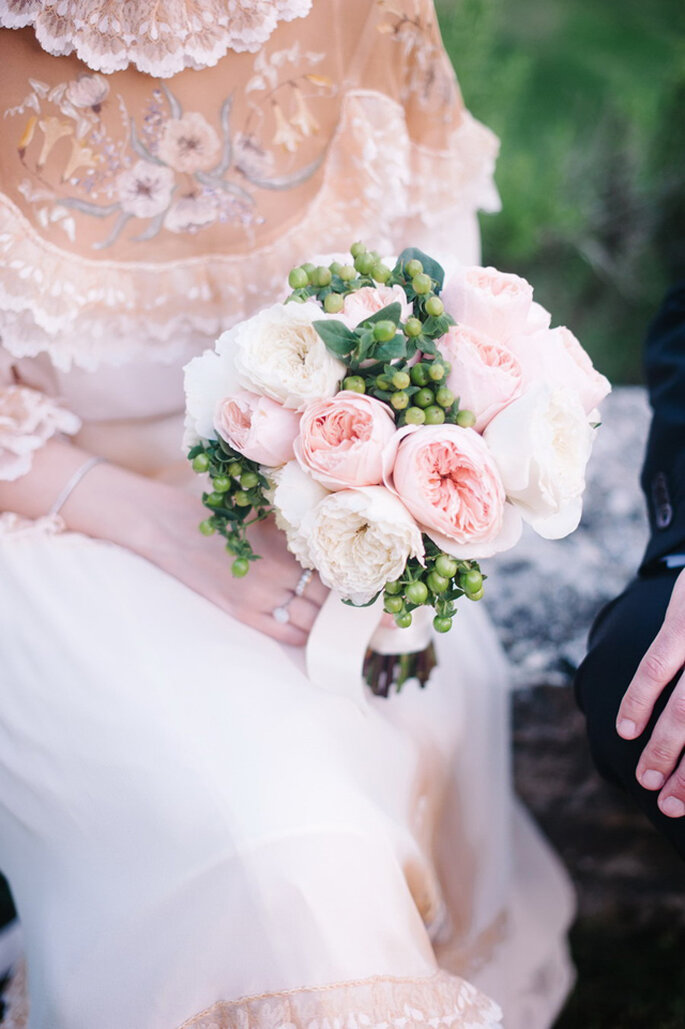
x=197 y=835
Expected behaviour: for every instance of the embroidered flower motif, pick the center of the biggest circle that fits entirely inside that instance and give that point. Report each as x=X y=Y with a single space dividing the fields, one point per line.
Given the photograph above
x=88 y=91
x=145 y=189
x=189 y=144
x=250 y=158
x=53 y=129
x=303 y=119
x=286 y=134
x=190 y=214
x=27 y=135
x=81 y=157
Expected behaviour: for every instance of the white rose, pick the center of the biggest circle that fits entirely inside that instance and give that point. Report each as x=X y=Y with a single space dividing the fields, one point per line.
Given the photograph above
x=541 y=444
x=294 y=494
x=359 y=539
x=208 y=379
x=279 y=354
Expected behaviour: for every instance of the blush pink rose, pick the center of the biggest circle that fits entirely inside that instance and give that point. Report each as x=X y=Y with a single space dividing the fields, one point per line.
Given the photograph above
x=368 y=300
x=485 y=375
x=257 y=427
x=447 y=479
x=494 y=302
x=556 y=357
x=342 y=439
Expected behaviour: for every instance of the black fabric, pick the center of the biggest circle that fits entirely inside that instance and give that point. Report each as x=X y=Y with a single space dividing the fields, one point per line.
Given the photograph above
x=626 y=627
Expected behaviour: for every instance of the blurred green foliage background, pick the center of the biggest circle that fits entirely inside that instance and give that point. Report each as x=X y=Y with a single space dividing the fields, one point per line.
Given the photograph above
x=588 y=99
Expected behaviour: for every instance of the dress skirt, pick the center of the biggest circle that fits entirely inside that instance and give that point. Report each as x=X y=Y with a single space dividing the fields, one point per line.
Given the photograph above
x=195 y=835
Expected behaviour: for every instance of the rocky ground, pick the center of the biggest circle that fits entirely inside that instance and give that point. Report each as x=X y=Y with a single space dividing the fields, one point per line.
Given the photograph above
x=629 y=939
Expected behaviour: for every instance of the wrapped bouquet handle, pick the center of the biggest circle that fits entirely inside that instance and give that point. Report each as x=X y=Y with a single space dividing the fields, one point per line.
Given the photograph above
x=337 y=646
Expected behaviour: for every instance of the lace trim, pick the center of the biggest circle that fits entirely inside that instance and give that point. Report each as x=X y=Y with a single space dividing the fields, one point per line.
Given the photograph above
x=28 y=419
x=438 y=1001
x=160 y=37
x=88 y=311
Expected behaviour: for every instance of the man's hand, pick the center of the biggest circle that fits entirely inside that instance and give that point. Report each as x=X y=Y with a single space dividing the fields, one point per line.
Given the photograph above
x=661 y=765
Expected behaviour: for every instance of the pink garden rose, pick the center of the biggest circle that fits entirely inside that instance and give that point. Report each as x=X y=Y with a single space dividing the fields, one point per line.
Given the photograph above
x=557 y=358
x=342 y=439
x=485 y=375
x=496 y=303
x=445 y=476
x=368 y=300
x=257 y=427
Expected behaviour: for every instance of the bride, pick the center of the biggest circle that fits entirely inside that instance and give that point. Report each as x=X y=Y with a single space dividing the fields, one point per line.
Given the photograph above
x=196 y=835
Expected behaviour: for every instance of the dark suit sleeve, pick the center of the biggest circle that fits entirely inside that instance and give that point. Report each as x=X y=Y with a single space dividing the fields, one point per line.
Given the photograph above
x=663 y=474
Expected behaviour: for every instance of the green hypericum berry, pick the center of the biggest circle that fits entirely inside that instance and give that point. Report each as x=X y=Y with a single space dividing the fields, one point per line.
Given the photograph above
x=404 y=620
x=415 y=416
x=446 y=566
x=422 y=284
x=309 y=268
x=413 y=327
x=355 y=384
x=235 y=469
x=240 y=567
x=357 y=248
x=437 y=583
x=335 y=267
x=401 y=380
x=471 y=581
x=399 y=400
x=384 y=331
x=435 y=307
x=206 y=528
x=200 y=463
x=364 y=263
x=434 y=415
x=393 y=605
x=215 y=499
x=333 y=303
x=436 y=371
x=475 y=596
x=221 y=483
x=442 y=624
x=424 y=398
x=322 y=276
x=419 y=374
x=249 y=480
x=413 y=268
x=347 y=273
x=383 y=383
x=241 y=498
x=416 y=593
x=298 y=278
x=393 y=587
x=444 y=397
x=466 y=419
x=381 y=273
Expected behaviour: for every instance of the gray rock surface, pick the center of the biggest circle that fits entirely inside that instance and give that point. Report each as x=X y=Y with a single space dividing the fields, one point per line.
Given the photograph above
x=544 y=594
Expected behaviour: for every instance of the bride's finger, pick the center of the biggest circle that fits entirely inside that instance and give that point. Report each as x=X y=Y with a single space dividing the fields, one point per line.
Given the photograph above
x=303 y=613
x=316 y=592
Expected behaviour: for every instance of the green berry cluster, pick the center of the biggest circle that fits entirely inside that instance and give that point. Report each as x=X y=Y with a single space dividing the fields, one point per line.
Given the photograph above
x=236 y=499
x=440 y=582
x=330 y=283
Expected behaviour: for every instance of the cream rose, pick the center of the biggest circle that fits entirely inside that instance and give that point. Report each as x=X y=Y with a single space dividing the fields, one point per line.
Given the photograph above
x=485 y=375
x=207 y=380
x=294 y=494
x=359 y=539
x=557 y=358
x=541 y=444
x=368 y=300
x=341 y=440
x=448 y=480
x=279 y=354
x=494 y=302
x=257 y=427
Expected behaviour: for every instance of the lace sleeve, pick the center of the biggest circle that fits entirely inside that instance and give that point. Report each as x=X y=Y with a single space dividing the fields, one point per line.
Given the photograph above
x=28 y=419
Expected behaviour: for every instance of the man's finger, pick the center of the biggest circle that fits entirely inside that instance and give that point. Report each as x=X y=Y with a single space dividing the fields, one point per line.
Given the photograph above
x=661 y=755
x=672 y=797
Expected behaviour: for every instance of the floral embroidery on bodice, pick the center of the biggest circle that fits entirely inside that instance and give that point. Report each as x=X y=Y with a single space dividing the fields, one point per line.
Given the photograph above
x=159 y=37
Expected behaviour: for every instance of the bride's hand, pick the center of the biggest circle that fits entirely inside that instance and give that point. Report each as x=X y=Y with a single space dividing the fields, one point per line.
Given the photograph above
x=203 y=564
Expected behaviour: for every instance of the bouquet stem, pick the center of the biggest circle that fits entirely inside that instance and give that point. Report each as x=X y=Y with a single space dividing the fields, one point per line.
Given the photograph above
x=383 y=671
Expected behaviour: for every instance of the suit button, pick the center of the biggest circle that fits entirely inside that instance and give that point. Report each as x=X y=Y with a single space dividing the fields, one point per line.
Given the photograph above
x=661 y=498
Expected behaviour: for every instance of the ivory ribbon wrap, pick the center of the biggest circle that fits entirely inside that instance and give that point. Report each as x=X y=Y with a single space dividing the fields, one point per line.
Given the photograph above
x=341 y=636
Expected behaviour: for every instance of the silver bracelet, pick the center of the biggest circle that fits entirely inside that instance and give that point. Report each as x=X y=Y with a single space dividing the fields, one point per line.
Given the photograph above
x=73 y=482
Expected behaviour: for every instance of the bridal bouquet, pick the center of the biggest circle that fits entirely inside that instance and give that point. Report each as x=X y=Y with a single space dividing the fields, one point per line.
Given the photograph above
x=400 y=427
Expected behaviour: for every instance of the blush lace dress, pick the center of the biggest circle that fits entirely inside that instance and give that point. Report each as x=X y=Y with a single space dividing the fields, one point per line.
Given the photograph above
x=195 y=834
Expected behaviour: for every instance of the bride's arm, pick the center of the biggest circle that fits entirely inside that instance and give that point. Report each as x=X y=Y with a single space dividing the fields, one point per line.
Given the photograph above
x=159 y=522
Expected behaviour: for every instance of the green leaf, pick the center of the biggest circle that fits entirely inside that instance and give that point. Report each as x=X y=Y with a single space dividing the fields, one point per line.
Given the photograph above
x=435 y=326
x=430 y=266
x=338 y=338
x=391 y=313
x=427 y=346
x=393 y=349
